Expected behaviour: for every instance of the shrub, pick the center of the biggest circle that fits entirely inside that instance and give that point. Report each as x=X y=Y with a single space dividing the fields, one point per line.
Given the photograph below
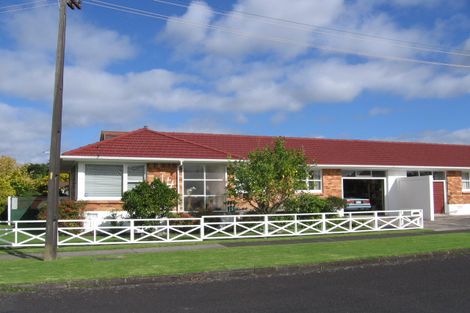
x=306 y=203
x=335 y=203
x=150 y=200
x=68 y=210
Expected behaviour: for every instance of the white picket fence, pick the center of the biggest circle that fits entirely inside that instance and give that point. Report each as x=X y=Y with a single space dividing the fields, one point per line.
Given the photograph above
x=134 y=231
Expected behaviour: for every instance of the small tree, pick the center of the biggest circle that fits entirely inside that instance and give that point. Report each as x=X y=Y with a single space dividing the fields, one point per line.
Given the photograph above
x=150 y=200
x=269 y=177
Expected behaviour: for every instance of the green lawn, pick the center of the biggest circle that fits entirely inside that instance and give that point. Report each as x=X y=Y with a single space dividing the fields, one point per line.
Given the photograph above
x=21 y=271
x=212 y=241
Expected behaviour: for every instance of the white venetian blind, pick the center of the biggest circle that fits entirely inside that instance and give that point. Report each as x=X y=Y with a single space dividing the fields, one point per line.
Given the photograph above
x=103 y=180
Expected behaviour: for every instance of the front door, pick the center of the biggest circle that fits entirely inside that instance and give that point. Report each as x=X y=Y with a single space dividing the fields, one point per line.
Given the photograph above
x=439 y=197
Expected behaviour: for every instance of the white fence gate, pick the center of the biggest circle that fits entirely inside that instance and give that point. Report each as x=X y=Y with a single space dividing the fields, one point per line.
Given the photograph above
x=134 y=231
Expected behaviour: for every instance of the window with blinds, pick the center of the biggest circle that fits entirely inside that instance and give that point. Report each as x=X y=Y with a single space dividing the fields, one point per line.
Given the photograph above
x=103 y=180
x=135 y=175
x=466 y=181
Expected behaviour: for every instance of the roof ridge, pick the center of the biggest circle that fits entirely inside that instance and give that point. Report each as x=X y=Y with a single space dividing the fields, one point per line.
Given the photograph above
x=325 y=139
x=193 y=143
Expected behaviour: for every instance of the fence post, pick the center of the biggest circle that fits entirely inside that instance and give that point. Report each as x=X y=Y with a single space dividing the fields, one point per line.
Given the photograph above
x=266 y=225
x=296 y=228
x=421 y=218
x=350 y=222
x=9 y=210
x=132 y=231
x=202 y=224
x=167 y=229
x=400 y=219
x=323 y=223
x=15 y=230
x=376 y=220
x=94 y=230
x=235 y=226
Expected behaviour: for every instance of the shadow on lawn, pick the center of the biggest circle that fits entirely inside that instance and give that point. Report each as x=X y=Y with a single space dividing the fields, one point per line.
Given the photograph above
x=20 y=255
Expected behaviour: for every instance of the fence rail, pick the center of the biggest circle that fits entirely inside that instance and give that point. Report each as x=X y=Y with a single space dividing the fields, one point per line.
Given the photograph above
x=132 y=231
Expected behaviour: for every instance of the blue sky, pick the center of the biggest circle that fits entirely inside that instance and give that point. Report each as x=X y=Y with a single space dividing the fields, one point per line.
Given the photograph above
x=292 y=68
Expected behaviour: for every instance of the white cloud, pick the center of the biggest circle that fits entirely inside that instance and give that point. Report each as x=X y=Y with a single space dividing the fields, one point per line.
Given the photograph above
x=23 y=133
x=459 y=136
x=86 y=44
x=237 y=35
x=189 y=29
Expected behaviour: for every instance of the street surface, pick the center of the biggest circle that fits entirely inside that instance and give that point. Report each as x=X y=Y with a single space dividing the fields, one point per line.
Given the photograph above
x=434 y=285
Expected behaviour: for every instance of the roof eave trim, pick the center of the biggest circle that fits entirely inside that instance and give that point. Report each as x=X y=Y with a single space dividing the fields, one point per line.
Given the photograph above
x=177 y=160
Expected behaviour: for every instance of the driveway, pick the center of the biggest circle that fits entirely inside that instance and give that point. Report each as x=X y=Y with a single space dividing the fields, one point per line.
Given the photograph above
x=449 y=223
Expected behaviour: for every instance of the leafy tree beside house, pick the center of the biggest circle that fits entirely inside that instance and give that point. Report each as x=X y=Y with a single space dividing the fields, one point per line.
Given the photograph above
x=269 y=177
x=150 y=200
x=14 y=180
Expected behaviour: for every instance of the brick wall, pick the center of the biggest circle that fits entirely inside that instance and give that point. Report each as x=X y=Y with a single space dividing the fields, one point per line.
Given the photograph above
x=332 y=183
x=103 y=205
x=454 y=189
x=167 y=173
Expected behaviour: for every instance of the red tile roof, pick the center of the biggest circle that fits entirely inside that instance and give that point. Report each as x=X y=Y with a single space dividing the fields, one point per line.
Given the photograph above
x=146 y=143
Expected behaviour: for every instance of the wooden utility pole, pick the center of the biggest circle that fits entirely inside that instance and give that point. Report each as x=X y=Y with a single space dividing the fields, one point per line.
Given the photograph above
x=50 y=252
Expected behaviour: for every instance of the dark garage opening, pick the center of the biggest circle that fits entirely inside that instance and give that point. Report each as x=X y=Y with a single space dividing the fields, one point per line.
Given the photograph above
x=372 y=189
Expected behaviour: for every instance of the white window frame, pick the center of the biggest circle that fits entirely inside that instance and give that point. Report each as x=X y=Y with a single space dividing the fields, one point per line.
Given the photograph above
x=204 y=180
x=81 y=180
x=432 y=174
x=465 y=180
x=307 y=180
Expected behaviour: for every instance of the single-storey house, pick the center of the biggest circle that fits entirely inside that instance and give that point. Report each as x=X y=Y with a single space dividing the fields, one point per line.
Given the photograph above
x=393 y=175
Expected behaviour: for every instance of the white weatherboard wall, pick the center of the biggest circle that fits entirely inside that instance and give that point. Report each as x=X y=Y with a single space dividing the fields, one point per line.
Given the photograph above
x=416 y=193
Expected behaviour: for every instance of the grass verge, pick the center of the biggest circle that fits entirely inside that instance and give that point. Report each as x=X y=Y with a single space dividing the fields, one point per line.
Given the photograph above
x=214 y=241
x=29 y=271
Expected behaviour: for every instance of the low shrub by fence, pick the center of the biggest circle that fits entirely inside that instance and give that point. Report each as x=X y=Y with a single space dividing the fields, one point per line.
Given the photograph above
x=130 y=231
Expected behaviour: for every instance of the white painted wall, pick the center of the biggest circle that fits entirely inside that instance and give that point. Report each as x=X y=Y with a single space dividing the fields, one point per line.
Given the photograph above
x=459 y=209
x=416 y=193
x=392 y=197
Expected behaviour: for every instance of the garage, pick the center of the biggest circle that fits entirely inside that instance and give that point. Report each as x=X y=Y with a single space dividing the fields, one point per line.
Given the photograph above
x=364 y=190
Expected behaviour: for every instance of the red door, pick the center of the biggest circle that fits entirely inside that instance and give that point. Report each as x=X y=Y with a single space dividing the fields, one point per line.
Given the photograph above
x=439 y=197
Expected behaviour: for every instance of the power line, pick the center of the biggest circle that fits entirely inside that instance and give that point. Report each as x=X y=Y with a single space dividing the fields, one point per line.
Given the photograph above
x=22 y=7
x=159 y=16
x=337 y=32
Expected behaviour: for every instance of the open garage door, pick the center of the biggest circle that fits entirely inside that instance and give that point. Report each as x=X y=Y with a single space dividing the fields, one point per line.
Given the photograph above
x=364 y=194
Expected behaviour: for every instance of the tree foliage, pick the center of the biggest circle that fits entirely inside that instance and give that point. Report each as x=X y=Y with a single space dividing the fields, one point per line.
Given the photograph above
x=150 y=200
x=14 y=180
x=269 y=177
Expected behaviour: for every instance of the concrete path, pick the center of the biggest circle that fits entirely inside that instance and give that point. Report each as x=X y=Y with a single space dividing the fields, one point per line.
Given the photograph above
x=18 y=254
x=448 y=223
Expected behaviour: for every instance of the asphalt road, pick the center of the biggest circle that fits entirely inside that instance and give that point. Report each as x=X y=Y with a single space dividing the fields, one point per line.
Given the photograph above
x=433 y=285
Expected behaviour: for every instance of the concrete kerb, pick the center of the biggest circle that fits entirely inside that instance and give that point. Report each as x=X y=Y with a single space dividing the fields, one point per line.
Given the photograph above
x=207 y=277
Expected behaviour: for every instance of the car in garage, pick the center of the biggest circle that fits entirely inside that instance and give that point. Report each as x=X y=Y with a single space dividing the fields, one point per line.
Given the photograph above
x=358 y=204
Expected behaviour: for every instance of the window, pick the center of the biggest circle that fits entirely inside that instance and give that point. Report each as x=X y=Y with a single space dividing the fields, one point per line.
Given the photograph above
x=103 y=180
x=106 y=181
x=135 y=175
x=363 y=173
x=204 y=187
x=466 y=181
x=313 y=181
x=436 y=175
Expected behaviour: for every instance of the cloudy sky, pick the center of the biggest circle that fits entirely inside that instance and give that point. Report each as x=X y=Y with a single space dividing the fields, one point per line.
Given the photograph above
x=363 y=69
